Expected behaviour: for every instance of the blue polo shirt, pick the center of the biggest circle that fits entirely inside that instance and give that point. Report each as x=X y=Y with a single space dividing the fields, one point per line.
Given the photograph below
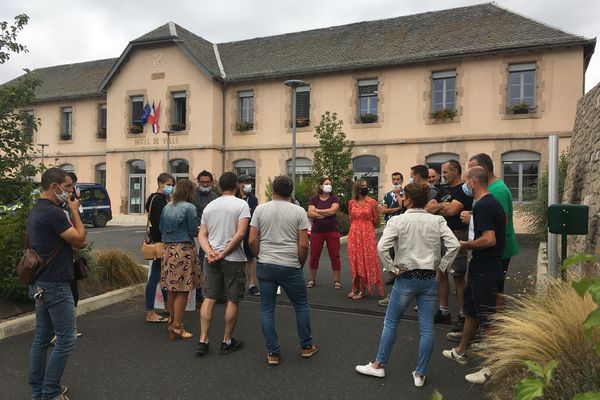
x=45 y=224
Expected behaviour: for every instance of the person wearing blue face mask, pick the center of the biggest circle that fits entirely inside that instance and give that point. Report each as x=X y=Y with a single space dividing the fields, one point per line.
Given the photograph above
x=154 y=206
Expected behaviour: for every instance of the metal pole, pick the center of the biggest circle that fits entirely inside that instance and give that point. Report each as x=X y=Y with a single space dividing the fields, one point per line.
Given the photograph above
x=42 y=146
x=294 y=141
x=552 y=249
x=168 y=132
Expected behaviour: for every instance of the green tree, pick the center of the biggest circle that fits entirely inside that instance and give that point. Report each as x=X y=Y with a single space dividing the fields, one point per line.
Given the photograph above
x=334 y=156
x=16 y=161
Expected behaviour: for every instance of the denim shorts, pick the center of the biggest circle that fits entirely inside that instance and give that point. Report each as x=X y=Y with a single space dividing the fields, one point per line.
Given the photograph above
x=225 y=279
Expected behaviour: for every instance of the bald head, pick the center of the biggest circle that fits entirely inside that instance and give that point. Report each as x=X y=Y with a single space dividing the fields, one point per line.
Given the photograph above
x=480 y=174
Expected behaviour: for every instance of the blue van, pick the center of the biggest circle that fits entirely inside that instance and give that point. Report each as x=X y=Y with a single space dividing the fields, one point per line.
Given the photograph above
x=95 y=202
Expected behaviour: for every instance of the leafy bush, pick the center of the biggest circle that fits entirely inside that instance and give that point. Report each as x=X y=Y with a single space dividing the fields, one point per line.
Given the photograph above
x=117 y=268
x=535 y=209
x=12 y=235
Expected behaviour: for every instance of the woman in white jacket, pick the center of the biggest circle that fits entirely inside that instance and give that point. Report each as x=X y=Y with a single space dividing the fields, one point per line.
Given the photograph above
x=417 y=266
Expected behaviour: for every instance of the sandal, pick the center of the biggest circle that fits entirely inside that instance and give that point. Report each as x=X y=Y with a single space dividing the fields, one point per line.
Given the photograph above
x=311 y=284
x=177 y=332
x=337 y=285
x=157 y=320
x=351 y=294
x=358 y=296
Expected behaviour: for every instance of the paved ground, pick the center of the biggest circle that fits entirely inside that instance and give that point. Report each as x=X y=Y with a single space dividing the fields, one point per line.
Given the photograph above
x=121 y=356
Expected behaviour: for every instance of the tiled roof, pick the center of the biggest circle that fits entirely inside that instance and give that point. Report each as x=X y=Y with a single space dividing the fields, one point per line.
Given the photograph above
x=409 y=39
x=70 y=81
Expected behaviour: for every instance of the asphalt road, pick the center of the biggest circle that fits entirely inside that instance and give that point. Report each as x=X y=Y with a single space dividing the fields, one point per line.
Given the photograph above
x=121 y=356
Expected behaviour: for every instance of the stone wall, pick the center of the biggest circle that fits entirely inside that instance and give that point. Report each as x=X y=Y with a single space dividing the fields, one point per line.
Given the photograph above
x=582 y=185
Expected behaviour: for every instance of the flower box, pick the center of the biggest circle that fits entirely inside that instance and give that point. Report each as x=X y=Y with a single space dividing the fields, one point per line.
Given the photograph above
x=178 y=127
x=243 y=126
x=136 y=129
x=521 y=108
x=302 y=122
x=443 y=114
x=65 y=136
x=368 y=118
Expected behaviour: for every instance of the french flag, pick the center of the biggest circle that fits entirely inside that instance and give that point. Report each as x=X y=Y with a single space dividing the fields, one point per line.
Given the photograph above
x=154 y=117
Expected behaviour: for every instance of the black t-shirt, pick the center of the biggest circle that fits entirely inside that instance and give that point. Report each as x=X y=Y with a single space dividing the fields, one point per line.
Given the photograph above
x=488 y=215
x=45 y=224
x=159 y=202
x=449 y=193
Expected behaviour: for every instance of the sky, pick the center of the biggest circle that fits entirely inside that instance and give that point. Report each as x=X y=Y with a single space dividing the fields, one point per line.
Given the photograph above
x=70 y=31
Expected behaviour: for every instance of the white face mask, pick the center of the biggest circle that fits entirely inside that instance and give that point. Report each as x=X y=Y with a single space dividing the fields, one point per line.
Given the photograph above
x=247 y=188
x=327 y=188
x=63 y=197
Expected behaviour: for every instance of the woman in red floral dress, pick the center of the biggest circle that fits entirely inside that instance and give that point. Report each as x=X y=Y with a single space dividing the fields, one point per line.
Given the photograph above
x=362 y=242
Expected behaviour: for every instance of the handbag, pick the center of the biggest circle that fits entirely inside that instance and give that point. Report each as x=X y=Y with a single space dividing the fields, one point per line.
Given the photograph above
x=80 y=268
x=151 y=250
x=31 y=265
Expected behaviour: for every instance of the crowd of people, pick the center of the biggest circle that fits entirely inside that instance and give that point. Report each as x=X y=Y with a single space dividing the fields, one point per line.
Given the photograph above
x=224 y=246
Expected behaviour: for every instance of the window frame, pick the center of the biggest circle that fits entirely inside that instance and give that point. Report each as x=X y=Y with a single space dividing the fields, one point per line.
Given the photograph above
x=519 y=158
x=102 y=121
x=179 y=110
x=245 y=112
x=29 y=124
x=134 y=100
x=444 y=77
x=302 y=107
x=66 y=123
x=521 y=69
x=372 y=112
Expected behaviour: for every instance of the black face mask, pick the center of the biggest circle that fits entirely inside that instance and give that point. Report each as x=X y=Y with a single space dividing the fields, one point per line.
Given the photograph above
x=364 y=191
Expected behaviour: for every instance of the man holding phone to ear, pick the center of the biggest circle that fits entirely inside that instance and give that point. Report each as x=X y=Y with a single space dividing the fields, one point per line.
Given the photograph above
x=51 y=233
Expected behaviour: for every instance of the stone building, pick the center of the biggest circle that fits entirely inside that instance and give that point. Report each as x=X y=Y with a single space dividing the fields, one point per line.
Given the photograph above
x=582 y=184
x=414 y=89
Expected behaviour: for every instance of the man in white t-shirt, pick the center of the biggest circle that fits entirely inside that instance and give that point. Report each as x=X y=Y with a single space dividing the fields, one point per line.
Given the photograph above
x=278 y=236
x=222 y=229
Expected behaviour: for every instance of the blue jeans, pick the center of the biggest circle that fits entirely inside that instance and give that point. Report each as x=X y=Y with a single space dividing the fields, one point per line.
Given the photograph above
x=55 y=316
x=404 y=290
x=292 y=281
x=153 y=280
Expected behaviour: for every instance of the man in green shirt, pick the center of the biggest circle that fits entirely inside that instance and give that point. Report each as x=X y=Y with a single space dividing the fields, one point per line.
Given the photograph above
x=498 y=189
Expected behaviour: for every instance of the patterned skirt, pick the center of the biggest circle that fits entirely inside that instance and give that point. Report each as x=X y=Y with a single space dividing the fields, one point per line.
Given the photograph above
x=180 y=268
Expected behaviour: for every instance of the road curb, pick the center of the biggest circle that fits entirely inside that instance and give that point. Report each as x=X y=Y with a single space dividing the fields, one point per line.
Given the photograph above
x=26 y=323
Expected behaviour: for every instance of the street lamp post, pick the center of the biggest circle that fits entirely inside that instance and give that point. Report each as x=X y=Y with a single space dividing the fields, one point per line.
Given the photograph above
x=42 y=145
x=294 y=83
x=168 y=132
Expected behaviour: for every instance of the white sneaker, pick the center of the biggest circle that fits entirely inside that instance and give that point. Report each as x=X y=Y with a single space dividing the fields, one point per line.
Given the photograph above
x=369 y=370
x=479 y=377
x=419 y=380
x=454 y=356
x=278 y=289
x=454 y=336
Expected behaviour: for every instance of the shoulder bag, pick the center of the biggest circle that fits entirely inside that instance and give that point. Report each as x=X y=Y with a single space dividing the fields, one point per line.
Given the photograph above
x=150 y=249
x=31 y=265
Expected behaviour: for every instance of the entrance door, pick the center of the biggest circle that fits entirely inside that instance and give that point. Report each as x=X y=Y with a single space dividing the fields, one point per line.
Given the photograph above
x=137 y=193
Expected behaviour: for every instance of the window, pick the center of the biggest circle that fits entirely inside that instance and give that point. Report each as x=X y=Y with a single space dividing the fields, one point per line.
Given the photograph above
x=180 y=169
x=303 y=167
x=67 y=168
x=367 y=167
x=245 y=111
x=66 y=123
x=520 y=171
x=137 y=106
x=102 y=121
x=302 y=106
x=367 y=100
x=443 y=91
x=246 y=167
x=521 y=88
x=29 y=124
x=101 y=174
x=178 y=116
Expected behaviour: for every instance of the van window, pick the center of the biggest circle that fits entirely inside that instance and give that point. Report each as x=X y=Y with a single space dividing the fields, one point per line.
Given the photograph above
x=99 y=194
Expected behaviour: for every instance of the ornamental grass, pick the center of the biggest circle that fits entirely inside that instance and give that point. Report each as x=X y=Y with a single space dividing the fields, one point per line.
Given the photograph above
x=117 y=268
x=542 y=328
